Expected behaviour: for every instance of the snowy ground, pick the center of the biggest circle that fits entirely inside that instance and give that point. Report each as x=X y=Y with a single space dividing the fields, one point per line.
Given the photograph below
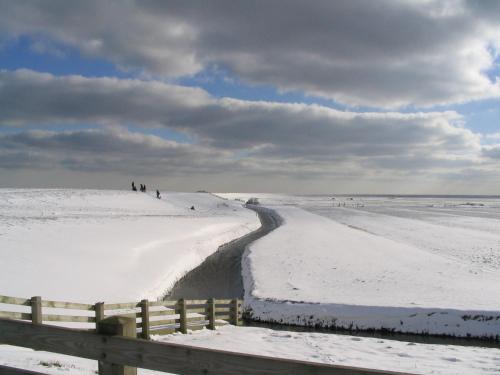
x=316 y=347
x=404 y=264
x=116 y=246
x=113 y=246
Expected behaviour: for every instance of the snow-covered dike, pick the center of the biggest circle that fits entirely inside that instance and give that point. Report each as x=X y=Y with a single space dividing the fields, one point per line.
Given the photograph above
x=317 y=271
x=91 y=245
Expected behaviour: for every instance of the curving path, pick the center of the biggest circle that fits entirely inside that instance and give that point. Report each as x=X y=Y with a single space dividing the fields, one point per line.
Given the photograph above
x=219 y=275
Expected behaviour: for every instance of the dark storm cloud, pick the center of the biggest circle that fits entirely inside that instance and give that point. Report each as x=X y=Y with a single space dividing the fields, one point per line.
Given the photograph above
x=375 y=53
x=492 y=152
x=111 y=149
x=227 y=134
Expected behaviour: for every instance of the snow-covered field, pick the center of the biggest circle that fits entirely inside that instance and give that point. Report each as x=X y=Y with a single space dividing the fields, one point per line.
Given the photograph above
x=404 y=264
x=85 y=246
x=314 y=347
x=98 y=245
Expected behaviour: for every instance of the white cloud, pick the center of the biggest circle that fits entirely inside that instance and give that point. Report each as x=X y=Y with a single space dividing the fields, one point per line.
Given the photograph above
x=492 y=151
x=374 y=53
x=492 y=136
x=230 y=137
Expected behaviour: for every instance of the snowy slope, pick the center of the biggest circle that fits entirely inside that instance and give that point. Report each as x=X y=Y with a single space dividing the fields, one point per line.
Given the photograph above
x=403 y=273
x=91 y=245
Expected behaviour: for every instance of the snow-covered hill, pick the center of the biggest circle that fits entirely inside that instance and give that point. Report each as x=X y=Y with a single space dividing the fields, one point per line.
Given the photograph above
x=91 y=245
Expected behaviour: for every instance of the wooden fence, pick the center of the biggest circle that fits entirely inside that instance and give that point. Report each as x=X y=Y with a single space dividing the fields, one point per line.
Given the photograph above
x=152 y=317
x=128 y=353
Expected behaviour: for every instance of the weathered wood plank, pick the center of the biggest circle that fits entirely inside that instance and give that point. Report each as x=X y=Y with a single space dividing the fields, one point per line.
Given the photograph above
x=68 y=305
x=119 y=306
x=15 y=301
x=155 y=323
x=190 y=302
x=196 y=318
x=15 y=315
x=116 y=326
x=182 y=315
x=161 y=312
x=99 y=311
x=235 y=318
x=222 y=301
x=223 y=317
x=36 y=310
x=198 y=310
x=163 y=303
x=222 y=309
x=145 y=319
x=211 y=314
x=167 y=357
x=68 y=318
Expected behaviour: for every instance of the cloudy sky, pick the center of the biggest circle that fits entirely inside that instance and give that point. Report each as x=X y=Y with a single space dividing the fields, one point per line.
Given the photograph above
x=348 y=96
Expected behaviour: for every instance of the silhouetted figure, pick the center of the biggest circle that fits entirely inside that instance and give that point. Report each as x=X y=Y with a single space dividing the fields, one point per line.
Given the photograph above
x=134 y=188
x=144 y=188
x=192 y=207
x=158 y=194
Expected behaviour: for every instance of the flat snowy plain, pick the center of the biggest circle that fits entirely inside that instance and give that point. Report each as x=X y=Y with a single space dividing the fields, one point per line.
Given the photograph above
x=84 y=246
x=408 y=264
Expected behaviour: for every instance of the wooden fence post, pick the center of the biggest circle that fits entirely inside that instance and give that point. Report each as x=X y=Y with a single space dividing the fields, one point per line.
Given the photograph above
x=116 y=326
x=211 y=313
x=182 y=315
x=99 y=312
x=145 y=319
x=36 y=310
x=236 y=312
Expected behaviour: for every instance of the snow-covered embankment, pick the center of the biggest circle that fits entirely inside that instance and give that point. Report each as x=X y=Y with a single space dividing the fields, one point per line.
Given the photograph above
x=97 y=245
x=315 y=271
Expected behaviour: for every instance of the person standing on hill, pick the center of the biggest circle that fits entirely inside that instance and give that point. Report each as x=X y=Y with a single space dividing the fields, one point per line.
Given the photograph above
x=134 y=188
x=158 y=194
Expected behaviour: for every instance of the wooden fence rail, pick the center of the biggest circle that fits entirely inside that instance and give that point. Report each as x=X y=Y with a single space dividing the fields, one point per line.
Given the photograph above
x=168 y=357
x=153 y=317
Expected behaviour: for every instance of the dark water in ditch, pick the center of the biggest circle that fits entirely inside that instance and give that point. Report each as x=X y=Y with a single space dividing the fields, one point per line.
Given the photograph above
x=219 y=276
